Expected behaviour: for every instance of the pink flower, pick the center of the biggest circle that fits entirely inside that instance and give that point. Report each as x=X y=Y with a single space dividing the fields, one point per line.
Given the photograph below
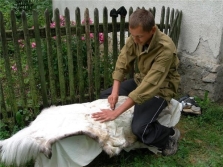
x=33 y=44
x=52 y=25
x=101 y=37
x=91 y=35
x=62 y=20
x=21 y=44
x=14 y=68
x=20 y=41
x=83 y=38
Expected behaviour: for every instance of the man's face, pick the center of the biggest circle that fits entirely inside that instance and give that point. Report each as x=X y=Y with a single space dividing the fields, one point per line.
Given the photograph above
x=140 y=36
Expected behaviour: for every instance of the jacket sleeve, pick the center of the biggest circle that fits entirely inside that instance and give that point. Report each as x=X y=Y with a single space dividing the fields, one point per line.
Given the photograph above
x=154 y=79
x=125 y=60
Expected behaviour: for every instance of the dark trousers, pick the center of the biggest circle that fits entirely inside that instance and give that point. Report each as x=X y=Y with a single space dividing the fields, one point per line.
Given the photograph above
x=144 y=123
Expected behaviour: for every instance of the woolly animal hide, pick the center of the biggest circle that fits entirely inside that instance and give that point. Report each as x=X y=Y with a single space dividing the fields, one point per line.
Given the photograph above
x=58 y=122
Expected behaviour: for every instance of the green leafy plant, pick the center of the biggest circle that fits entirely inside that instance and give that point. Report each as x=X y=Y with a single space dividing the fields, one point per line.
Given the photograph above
x=24 y=117
x=205 y=102
x=4 y=133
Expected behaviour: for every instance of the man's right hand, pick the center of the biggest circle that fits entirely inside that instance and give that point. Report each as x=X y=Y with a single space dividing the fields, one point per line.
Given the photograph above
x=112 y=100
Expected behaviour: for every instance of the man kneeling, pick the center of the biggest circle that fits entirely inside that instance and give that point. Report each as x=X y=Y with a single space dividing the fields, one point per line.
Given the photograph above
x=151 y=89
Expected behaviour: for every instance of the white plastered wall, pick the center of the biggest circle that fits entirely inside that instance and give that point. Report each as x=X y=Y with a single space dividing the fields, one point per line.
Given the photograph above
x=201 y=21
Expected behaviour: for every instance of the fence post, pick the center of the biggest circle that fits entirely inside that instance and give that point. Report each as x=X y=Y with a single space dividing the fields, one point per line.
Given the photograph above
x=40 y=59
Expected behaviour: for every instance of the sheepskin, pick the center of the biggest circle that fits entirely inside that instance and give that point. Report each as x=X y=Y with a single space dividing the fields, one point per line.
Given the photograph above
x=60 y=122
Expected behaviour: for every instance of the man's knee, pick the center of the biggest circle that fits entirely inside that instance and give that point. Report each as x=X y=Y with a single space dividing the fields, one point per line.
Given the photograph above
x=138 y=129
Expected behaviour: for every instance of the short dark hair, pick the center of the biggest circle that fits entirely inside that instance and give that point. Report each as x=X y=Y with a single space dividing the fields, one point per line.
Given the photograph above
x=142 y=17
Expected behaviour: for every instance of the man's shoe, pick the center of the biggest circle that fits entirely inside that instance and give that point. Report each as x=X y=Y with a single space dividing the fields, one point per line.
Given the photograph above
x=172 y=146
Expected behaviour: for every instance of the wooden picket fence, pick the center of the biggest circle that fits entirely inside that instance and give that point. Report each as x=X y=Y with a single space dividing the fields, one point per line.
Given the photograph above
x=79 y=75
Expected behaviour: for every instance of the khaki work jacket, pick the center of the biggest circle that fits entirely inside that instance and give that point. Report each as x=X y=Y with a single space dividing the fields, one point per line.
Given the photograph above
x=157 y=66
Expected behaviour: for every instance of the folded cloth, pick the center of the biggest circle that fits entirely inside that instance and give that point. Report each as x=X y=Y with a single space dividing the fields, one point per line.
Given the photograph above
x=67 y=135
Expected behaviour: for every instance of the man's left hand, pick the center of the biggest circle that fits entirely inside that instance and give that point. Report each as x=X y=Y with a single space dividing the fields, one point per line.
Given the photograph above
x=105 y=115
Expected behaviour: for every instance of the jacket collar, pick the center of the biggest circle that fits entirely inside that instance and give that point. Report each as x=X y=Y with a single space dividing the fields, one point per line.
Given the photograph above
x=153 y=42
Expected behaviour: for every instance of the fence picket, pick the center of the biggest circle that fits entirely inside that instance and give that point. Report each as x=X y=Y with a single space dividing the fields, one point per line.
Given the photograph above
x=114 y=39
x=70 y=56
x=131 y=73
x=122 y=31
x=31 y=72
x=178 y=27
x=167 y=21
x=60 y=58
x=11 y=94
x=153 y=11
x=23 y=99
x=130 y=12
x=89 y=54
x=171 y=18
x=3 y=111
x=96 y=54
x=105 y=54
x=52 y=77
x=162 y=18
x=40 y=59
x=173 y=28
x=79 y=56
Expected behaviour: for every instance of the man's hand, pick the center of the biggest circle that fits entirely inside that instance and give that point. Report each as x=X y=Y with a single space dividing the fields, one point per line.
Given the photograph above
x=112 y=100
x=105 y=115
x=109 y=115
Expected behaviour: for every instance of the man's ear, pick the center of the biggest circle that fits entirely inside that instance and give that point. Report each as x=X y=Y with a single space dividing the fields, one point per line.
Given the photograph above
x=153 y=29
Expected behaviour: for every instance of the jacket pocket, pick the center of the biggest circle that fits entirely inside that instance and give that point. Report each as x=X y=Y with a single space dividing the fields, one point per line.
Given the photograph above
x=155 y=74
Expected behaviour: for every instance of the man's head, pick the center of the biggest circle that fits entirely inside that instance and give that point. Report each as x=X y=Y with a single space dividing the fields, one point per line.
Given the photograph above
x=142 y=26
